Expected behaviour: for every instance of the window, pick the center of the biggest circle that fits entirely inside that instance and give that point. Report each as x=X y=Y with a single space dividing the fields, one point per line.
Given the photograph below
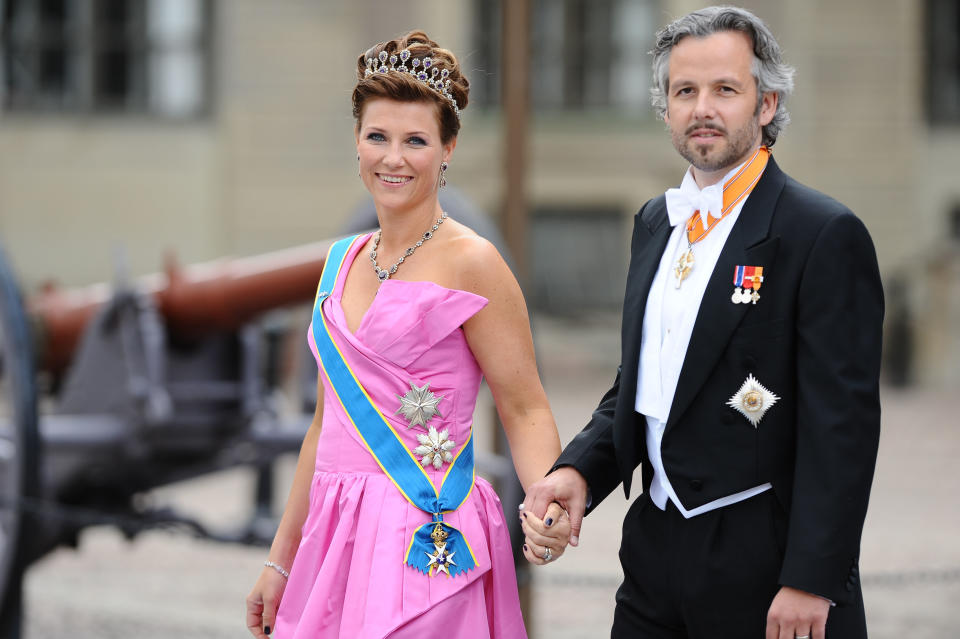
x=585 y=54
x=86 y=56
x=943 y=61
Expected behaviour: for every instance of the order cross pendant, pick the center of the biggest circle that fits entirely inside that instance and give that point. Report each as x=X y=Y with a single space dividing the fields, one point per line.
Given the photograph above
x=684 y=266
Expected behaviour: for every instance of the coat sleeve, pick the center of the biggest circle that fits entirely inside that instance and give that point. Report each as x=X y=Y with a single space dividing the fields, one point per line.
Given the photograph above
x=591 y=452
x=839 y=324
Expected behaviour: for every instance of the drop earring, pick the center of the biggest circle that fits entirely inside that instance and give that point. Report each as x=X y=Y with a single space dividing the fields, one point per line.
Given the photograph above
x=443 y=174
x=358 y=165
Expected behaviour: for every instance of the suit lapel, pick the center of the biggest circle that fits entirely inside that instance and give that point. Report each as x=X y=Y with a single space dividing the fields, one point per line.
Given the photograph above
x=650 y=237
x=748 y=244
x=651 y=232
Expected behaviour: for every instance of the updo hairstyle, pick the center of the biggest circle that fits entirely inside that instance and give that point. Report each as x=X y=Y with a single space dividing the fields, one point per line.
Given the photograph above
x=404 y=87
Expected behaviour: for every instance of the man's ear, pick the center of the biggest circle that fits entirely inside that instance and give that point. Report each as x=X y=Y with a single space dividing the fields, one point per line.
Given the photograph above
x=768 y=107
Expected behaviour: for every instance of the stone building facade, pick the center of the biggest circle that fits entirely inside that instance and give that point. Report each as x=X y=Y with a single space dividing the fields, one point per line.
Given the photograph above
x=261 y=156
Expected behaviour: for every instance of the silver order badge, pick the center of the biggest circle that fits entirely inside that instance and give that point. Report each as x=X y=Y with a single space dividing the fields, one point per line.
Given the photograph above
x=441 y=559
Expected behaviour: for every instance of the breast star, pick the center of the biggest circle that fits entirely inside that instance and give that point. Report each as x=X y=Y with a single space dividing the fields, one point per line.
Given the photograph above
x=435 y=448
x=419 y=405
x=753 y=400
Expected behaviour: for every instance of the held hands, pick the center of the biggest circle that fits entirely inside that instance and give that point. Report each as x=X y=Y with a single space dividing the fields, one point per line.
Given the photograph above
x=559 y=498
x=263 y=601
x=795 y=613
x=567 y=487
x=546 y=538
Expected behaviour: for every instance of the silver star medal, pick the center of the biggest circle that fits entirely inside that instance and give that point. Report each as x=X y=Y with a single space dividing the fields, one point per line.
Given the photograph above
x=435 y=448
x=419 y=405
x=440 y=559
x=753 y=400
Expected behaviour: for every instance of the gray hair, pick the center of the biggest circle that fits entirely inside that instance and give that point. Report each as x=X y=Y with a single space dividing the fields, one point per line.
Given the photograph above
x=768 y=69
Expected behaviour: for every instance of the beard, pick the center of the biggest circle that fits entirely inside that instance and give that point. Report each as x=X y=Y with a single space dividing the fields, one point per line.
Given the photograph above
x=713 y=157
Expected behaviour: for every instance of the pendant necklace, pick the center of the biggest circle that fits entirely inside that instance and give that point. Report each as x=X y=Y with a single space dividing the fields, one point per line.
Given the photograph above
x=384 y=274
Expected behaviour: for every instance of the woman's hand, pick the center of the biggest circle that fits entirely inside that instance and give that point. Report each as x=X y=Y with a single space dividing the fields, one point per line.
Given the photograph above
x=263 y=601
x=545 y=539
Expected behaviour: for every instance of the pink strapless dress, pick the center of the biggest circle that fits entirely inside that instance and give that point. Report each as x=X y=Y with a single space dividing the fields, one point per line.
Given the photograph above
x=349 y=578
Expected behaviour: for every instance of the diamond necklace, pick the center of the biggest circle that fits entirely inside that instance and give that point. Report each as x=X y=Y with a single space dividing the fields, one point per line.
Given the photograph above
x=384 y=274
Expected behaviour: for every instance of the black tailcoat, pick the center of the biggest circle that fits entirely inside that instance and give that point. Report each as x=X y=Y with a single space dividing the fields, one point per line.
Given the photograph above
x=813 y=339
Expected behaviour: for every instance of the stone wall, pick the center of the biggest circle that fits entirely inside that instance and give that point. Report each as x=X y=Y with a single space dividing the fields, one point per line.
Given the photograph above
x=273 y=165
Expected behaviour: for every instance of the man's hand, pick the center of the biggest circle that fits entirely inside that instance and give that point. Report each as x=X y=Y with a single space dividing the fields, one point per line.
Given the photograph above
x=567 y=487
x=795 y=613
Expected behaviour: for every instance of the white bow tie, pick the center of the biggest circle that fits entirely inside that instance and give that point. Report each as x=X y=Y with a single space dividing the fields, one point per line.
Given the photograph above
x=683 y=202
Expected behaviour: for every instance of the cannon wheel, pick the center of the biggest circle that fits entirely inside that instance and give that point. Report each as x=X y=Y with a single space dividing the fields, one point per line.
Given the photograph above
x=18 y=447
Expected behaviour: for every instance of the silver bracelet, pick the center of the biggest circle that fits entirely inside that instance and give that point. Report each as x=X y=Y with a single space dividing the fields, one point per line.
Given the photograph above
x=278 y=568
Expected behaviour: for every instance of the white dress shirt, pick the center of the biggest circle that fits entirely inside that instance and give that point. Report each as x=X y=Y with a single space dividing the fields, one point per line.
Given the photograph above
x=668 y=323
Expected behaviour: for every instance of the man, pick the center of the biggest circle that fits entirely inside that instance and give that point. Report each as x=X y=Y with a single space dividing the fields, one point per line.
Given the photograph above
x=748 y=385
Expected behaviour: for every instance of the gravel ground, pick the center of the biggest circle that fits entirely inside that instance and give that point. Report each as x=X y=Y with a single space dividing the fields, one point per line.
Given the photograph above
x=168 y=585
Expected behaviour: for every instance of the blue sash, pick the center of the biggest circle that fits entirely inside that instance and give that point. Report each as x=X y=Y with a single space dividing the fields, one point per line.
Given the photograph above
x=435 y=546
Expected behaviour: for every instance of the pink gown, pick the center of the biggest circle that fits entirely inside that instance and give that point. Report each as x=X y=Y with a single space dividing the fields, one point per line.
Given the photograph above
x=349 y=578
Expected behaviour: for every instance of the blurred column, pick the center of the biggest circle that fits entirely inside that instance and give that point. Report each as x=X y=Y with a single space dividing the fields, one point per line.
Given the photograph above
x=515 y=70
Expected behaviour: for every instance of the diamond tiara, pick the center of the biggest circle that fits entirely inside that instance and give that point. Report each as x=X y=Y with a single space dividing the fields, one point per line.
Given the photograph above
x=423 y=70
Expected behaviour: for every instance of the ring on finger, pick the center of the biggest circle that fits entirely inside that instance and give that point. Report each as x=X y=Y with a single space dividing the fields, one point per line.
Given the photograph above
x=547 y=554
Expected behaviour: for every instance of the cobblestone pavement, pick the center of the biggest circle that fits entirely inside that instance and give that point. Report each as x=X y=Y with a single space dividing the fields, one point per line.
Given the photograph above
x=167 y=585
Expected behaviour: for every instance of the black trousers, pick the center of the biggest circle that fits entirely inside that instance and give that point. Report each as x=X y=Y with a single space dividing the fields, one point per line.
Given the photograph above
x=711 y=576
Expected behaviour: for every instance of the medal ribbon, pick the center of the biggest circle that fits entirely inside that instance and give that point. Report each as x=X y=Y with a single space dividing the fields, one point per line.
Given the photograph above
x=748 y=277
x=734 y=191
x=385 y=445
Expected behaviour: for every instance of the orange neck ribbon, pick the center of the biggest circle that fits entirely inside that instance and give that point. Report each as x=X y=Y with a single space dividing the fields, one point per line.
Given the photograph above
x=735 y=190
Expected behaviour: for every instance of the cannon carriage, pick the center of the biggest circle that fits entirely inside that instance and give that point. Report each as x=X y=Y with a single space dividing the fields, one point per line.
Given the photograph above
x=108 y=392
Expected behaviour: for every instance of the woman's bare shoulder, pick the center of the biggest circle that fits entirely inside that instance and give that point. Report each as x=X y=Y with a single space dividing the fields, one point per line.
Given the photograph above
x=474 y=262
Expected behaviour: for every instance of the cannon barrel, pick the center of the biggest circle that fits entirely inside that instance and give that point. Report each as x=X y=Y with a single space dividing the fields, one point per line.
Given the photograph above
x=218 y=295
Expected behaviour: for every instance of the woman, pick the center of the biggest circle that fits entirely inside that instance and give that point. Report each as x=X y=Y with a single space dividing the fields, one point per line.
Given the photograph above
x=406 y=322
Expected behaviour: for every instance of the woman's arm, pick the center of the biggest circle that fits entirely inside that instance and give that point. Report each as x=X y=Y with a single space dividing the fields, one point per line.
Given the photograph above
x=287 y=539
x=264 y=599
x=499 y=336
